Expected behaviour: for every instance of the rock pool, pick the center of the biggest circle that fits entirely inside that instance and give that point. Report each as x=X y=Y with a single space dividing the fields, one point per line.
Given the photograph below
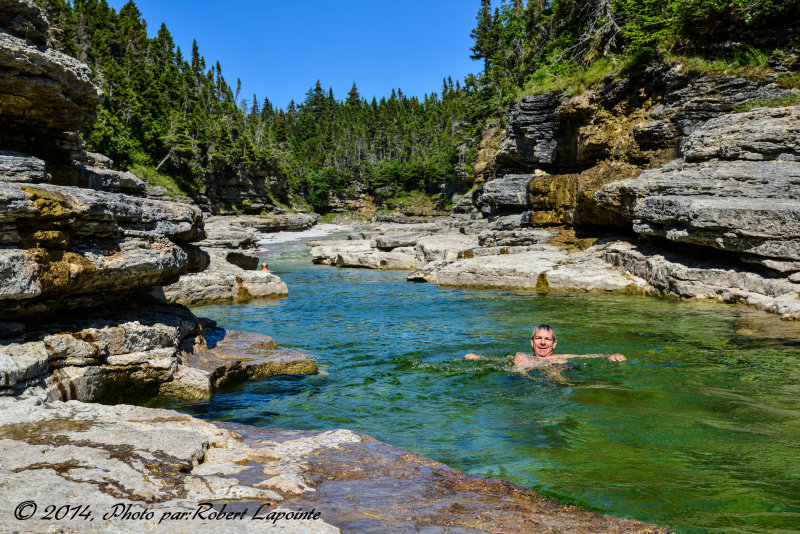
x=698 y=430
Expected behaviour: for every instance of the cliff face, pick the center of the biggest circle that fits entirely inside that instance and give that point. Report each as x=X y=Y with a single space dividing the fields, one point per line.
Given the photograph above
x=43 y=94
x=667 y=158
x=78 y=239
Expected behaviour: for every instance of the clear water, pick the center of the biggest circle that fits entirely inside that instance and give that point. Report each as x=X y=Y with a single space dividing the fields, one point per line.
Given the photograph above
x=699 y=430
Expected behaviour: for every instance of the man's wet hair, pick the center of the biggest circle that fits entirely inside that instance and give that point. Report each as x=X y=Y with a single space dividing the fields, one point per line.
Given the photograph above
x=546 y=328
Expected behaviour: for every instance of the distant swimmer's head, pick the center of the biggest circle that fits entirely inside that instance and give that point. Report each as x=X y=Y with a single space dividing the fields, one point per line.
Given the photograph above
x=543 y=340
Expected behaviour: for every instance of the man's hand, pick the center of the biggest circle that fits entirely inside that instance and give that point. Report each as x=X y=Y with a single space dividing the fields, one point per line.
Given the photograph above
x=473 y=356
x=616 y=357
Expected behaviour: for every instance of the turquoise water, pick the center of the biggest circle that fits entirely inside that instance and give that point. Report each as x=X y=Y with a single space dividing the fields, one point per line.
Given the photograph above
x=698 y=430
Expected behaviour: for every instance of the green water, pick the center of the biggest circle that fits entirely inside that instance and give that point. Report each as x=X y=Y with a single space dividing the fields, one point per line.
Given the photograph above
x=698 y=430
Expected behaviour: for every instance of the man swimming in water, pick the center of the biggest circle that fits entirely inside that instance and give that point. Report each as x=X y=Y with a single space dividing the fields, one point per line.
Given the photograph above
x=543 y=342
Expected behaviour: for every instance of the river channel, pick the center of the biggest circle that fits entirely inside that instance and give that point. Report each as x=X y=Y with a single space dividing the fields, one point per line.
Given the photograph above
x=699 y=430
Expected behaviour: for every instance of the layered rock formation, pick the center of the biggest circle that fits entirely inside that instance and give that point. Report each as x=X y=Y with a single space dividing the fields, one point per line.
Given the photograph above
x=43 y=93
x=232 y=274
x=81 y=248
x=712 y=194
x=735 y=189
x=664 y=155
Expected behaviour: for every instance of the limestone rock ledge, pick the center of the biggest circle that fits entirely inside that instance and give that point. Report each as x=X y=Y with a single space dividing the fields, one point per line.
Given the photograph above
x=109 y=356
x=243 y=232
x=65 y=247
x=222 y=281
x=167 y=462
x=229 y=358
x=43 y=93
x=735 y=189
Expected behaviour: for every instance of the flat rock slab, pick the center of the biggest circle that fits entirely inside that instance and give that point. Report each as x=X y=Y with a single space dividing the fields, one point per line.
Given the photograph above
x=230 y=359
x=109 y=457
x=541 y=268
x=223 y=281
x=259 y=355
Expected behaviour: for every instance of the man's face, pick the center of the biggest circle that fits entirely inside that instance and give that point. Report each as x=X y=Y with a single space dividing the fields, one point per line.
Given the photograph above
x=543 y=343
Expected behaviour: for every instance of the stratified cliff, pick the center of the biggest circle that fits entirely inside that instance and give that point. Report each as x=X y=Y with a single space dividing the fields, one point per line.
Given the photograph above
x=711 y=193
x=79 y=243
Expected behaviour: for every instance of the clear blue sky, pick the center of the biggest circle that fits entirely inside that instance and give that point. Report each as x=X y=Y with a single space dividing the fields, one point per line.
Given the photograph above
x=279 y=48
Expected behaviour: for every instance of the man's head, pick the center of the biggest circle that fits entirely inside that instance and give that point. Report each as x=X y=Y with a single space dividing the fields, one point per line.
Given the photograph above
x=543 y=340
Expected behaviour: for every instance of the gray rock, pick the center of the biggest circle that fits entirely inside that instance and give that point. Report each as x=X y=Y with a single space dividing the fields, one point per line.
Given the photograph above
x=234 y=358
x=670 y=273
x=99 y=178
x=242 y=232
x=565 y=135
x=22 y=365
x=65 y=247
x=24 y=19
x=222 y=281
x=446 y=246
x=542 y=268
x=327 y=251
x=165 y=461
x=510 y=222
x=16 y=167
x=532 y=135
x=394 y=241
x=43 y=91
x=735 y=189
x=513 y=238
x=509 y=193
x=20 y=275
x=760 y=135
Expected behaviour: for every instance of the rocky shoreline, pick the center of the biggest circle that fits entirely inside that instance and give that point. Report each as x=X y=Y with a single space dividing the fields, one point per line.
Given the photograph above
x=181 y=474
x=721 y=222
x=691 y=200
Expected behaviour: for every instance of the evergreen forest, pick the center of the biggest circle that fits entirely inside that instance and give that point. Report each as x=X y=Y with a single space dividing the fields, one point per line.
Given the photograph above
x=175 y=120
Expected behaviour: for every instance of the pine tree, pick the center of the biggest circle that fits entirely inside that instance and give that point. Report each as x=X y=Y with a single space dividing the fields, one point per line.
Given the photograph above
x=485 y=35
x=353 y=98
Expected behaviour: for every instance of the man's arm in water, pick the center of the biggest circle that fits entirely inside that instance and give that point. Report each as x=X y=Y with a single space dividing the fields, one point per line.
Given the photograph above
x=523 y=360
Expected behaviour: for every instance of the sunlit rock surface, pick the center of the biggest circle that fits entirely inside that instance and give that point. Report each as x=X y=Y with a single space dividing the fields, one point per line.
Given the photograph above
x=170 y=462
x=735 y=188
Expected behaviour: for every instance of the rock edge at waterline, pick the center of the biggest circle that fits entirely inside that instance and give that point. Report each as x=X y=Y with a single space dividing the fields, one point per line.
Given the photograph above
x=99 y=457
